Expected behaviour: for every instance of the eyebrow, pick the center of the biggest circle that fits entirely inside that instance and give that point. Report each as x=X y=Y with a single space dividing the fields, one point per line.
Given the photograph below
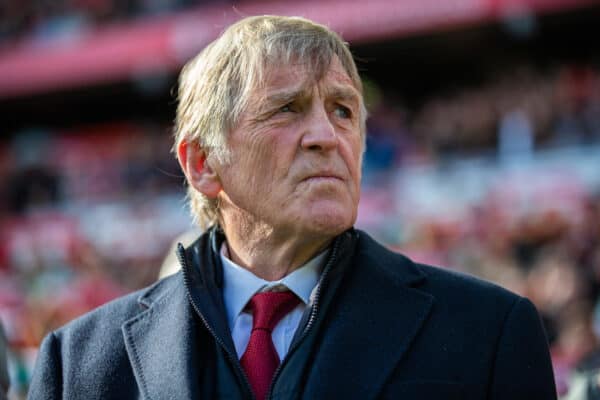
x=285 y=96
x=278 y=97
x=347 y=93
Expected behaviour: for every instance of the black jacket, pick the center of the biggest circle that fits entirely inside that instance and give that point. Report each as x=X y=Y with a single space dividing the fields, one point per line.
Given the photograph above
x=380 y=327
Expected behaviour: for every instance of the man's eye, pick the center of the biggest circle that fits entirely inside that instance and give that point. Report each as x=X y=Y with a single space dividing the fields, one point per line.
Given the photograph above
x=343 y=112
x=286 y=108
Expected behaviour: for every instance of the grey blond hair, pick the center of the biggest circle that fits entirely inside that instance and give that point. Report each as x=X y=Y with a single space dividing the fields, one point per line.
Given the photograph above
x=216 y=85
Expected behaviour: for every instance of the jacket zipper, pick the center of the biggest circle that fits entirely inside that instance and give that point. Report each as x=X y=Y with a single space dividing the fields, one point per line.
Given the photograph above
x=233 y=359
x=311 y=319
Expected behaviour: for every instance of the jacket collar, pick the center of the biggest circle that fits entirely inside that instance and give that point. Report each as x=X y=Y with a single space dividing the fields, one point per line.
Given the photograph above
x=377 y=312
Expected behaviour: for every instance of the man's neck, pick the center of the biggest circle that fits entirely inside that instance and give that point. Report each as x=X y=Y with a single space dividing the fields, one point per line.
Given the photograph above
x=266 y=252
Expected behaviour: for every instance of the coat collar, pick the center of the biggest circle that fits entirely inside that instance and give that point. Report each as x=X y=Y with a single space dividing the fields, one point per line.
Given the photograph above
x=377 y=312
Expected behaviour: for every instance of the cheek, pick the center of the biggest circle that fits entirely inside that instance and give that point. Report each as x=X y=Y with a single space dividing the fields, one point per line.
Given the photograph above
x=355 y=167
x=276 y=150
x=250 y=149
x=260 y=160
x=352 y=154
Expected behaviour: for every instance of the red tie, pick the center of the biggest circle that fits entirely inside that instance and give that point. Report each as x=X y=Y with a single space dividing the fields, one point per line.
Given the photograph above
x=260 y=360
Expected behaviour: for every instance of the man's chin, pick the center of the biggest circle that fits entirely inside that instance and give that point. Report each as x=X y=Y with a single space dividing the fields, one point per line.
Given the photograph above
x=328 y=224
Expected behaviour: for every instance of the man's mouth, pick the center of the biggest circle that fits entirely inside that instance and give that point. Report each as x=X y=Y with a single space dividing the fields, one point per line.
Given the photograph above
x=324 y=177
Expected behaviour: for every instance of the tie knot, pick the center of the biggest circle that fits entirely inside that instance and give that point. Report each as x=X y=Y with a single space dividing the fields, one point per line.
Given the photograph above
x=268 y=308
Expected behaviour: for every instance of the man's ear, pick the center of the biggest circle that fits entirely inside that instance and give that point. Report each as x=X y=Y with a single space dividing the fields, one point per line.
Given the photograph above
x=197 y=169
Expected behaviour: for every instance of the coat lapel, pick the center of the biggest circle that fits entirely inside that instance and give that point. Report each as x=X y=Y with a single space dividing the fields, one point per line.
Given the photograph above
x=370 y=326
x=160 y=345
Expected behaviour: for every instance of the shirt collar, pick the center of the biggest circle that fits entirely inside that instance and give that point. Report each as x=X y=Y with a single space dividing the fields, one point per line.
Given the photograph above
x=239 y=284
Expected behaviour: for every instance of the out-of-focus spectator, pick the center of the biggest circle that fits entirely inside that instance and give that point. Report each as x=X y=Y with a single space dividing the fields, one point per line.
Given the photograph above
x=584 y=382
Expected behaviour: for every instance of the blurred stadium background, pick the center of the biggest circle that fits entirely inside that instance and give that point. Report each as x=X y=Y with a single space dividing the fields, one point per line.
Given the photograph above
x=483 y=152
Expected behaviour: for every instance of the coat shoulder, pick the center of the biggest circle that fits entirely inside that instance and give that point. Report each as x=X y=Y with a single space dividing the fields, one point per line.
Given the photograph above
x=479 y=334
x=444 y=278
x=443 y=283
x=108 y=318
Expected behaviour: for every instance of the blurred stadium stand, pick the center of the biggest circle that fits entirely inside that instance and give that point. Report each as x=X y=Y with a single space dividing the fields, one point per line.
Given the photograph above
x=483 y=150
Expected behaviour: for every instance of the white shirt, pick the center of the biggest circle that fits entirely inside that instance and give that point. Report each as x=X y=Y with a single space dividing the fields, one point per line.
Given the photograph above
x=239 y=285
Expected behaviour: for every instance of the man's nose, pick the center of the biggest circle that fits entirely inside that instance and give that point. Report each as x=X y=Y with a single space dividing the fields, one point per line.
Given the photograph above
x=319 y=132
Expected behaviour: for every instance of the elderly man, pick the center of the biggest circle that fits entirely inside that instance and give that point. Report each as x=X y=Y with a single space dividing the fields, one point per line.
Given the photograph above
x=281 y=298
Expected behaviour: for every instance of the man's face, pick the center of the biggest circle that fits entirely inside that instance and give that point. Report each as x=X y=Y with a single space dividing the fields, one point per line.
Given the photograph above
x=296 y=153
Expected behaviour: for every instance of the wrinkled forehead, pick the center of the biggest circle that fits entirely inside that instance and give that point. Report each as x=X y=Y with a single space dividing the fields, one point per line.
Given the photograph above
x=305 y=74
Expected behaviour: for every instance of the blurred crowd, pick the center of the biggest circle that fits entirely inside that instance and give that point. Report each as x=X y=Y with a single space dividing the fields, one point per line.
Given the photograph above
x=48 y=19
x=512 y=112
x=89 y=214
x=86 y=215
